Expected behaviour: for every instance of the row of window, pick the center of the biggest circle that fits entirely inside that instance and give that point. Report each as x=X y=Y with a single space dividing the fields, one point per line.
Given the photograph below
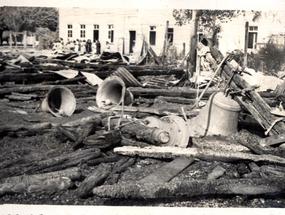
x=96 y=32
x=152 y=33
x=252 y=34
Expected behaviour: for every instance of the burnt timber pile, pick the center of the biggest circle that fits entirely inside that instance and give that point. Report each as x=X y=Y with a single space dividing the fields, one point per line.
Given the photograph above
x=109 y=133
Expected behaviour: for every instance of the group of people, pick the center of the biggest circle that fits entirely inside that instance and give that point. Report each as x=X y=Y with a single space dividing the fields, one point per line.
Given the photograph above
x=78 y=46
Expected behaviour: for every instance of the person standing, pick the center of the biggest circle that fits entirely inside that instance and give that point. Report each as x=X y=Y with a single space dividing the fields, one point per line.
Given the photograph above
x=98 y=47
x=88 y=46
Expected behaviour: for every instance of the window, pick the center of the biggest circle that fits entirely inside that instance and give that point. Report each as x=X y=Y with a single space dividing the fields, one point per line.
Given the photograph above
x=69 y=30
x=96 y=26
x=111 y=33
x=252 y=37
x=69 y=33
x=152 y=35
x=170 y=35
x=82 y=31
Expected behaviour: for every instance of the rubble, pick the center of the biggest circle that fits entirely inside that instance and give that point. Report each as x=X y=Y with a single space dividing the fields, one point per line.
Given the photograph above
x=126 y=131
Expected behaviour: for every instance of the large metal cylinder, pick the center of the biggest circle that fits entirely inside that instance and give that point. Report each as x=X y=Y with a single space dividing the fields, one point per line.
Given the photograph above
x=59 y=101
x=113 y=92
x=218 y=117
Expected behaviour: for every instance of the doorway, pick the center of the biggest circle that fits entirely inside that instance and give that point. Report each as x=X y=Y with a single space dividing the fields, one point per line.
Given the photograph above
x=132 y=41
x=95 y=35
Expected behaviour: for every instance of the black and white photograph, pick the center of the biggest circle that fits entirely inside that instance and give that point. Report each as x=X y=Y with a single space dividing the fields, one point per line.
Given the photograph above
x=163 y=107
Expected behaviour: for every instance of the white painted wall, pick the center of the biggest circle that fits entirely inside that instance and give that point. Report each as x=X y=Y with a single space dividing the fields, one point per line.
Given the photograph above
x=232 y=35
x=123 y=20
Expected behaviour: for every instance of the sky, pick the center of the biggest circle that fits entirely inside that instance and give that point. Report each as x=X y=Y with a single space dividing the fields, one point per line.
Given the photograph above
x=155 y=4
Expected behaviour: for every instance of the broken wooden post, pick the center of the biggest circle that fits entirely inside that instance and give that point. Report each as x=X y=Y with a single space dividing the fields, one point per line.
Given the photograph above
x=245 y=45
x=24 y=41
x=165 y=43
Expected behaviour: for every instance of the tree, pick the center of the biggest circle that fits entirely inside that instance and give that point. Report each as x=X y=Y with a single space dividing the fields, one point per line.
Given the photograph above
x=27 y=18
x=207 y=20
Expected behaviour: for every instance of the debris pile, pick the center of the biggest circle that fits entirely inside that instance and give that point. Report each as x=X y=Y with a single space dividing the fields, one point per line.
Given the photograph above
x=101 y=128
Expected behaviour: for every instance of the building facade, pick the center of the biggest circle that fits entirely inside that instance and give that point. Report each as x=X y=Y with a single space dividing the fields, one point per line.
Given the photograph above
x=267 y=25
x=123 y=29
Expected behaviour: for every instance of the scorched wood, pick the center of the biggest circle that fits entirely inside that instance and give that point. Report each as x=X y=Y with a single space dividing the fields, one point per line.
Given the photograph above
x=46 y=182
x=171 y=92
x=192 y=188
x=97 y=177
x=52 y=164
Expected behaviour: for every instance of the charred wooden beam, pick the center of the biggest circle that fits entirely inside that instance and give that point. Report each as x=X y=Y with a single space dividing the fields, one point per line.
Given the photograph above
x=107 y=159
x=33 y=128
x=105 y=70
x=51 y=164
x=192 y=188
x=39 y=88
x=29 y=77
x=140 y=131
x=46 y=182
x=171 y=92
x=96 y=178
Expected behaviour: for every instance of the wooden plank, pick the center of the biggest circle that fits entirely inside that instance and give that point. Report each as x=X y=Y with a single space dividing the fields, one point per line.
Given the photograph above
x=168 y=171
